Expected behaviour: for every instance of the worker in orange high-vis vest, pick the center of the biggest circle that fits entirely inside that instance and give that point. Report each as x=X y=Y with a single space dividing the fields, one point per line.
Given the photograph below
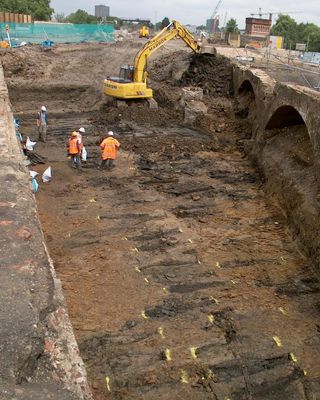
x=74 y=150
x=109 y=149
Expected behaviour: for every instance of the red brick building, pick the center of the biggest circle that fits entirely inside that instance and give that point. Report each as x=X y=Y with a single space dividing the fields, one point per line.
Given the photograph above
x=258 y=26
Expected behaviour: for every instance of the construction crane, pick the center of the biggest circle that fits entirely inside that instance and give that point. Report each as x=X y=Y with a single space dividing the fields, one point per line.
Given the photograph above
x=260 y=13
x=216 y=10
x=213 y=21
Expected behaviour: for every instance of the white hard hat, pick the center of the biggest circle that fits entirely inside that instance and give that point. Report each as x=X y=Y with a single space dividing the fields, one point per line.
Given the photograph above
x=82 y=130
x=110 y=133
x=43 y=108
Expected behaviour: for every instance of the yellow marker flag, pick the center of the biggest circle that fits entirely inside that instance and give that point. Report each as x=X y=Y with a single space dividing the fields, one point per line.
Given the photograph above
x=210 y=374
x=146 y=280
x=193 y=351
x=143 y=315
x=293 y=357
x=277 y=341
x=213 y=299
x=218 y=264
x=137 y=269
x=168 y=354
x=108 y=383
x=184 y=376
x=282 y=310
x=211 y=318
x=161 y=332
x=165 y=290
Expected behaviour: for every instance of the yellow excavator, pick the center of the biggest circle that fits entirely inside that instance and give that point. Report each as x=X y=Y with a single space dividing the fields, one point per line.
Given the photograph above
x=144 y=32
x=132 y=80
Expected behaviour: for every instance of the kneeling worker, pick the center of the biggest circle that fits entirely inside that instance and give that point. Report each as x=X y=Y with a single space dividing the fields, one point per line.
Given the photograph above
x=74 y=150
x=109 y=149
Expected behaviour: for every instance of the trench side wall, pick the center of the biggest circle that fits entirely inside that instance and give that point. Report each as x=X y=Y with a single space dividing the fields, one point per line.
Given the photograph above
x=296 y=191
x=38 y=351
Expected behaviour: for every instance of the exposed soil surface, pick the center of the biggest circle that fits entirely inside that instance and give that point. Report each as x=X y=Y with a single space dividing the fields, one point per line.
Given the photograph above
x=181 y=278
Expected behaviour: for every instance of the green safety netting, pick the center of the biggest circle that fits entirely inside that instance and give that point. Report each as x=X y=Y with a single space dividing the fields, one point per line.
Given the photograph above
x=58 y=33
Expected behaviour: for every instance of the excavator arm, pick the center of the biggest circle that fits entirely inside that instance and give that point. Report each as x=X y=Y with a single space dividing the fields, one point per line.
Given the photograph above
x=132 y=82
x=168 y=33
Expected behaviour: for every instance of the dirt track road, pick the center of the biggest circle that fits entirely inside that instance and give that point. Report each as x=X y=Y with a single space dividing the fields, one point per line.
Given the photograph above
x=181 y=279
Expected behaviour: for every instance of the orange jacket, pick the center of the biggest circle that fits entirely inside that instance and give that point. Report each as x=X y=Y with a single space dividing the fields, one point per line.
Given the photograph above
x=74 y=147
x=109 y=148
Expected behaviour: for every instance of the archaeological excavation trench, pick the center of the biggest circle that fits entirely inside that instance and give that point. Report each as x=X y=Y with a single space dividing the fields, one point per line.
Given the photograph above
x=183 y=274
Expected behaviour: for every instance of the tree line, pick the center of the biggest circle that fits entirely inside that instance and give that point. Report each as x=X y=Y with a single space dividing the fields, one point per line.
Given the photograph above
x=293 y=33
x=39 y=9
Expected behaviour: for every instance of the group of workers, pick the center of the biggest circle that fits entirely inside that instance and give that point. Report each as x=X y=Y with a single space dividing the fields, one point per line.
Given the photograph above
x=109 y=146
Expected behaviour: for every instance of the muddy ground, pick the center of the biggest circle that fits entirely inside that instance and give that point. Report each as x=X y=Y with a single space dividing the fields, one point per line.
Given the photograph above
x=181 y=277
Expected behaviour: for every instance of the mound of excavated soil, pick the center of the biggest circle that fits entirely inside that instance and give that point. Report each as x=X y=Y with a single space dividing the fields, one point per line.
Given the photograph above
x=170 y=67
x=212 y=73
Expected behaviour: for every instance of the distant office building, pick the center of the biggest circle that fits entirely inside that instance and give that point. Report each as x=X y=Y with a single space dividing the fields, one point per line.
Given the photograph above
x=102 y=11
x=258 y=26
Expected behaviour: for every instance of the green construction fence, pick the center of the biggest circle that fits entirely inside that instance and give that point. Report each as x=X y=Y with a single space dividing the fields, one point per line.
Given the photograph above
x=57 y=32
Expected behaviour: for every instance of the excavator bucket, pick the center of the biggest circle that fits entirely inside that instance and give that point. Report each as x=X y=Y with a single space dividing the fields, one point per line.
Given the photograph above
x=207 y=49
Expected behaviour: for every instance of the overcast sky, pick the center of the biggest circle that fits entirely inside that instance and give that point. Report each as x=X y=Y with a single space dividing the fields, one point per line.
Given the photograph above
x=195 y=12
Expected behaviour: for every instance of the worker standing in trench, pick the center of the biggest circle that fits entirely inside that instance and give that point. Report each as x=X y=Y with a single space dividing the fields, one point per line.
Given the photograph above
x=80 y=132
x=109 y=148
x=42 y=123
x=74 y=150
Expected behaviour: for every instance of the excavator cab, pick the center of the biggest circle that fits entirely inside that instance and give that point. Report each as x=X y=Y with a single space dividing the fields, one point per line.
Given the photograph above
x=125 y=75
x=124 y=87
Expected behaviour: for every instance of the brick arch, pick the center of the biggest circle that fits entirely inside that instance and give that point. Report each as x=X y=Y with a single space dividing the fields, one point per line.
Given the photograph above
x=285 y=116
x=294 y=142
x=246 y=100
x=283 y=113
x=246 y=85
x=280 y=105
